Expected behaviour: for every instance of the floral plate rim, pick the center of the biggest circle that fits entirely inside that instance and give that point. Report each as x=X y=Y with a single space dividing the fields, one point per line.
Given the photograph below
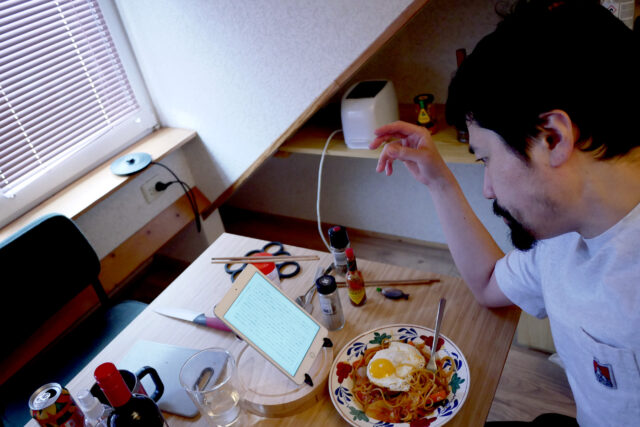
x=354 y=416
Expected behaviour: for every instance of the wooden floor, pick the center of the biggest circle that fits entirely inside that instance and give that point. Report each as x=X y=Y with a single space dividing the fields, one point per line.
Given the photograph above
x=530 y=384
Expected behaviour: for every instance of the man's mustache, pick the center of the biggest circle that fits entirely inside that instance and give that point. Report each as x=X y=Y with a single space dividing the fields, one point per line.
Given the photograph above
x=521 y=238
x=500 y=211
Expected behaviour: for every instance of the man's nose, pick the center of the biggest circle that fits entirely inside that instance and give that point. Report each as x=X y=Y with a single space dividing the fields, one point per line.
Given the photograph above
x=487 y=186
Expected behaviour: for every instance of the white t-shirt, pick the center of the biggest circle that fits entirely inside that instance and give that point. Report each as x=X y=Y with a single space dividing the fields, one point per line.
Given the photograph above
x=590 y=290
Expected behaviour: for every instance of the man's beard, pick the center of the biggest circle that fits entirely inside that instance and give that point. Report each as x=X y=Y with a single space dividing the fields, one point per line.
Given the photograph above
x=521 y=237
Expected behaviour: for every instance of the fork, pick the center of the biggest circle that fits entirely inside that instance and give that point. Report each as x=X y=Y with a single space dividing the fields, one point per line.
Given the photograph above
x=431 y=365
x=304 y=300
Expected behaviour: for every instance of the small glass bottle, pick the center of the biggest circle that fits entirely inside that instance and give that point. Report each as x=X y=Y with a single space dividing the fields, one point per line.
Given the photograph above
x=332 y=315
x=95 y=412
x=355 y=282
x=426 y=115
x=339 y=242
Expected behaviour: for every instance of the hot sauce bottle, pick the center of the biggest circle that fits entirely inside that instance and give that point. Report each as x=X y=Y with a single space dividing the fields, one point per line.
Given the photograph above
x=355 y=282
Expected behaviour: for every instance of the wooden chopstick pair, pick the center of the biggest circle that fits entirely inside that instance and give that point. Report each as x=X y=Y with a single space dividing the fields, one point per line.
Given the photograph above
x=252 y=259
x=342 y=284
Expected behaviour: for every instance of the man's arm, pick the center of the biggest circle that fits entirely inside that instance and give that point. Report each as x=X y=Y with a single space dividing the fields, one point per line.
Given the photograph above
x=474 y=250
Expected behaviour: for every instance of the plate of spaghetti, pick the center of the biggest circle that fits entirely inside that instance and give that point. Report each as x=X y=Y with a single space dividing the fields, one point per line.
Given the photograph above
x=380 y=378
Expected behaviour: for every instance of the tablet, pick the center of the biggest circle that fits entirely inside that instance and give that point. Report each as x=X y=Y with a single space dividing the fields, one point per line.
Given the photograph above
x=272 y=323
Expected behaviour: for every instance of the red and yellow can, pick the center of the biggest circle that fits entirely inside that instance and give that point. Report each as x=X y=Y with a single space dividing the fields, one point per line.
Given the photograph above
x=52 y=406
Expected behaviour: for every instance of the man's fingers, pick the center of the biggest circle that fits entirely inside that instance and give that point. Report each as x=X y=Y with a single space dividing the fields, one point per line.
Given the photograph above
x=395 y=151
x=378 y=142
x=384 y=164
x=385 y=161
x=398 y=127
x=395 y=130
x=389 y=169
x=399 y=151
x=386 y=138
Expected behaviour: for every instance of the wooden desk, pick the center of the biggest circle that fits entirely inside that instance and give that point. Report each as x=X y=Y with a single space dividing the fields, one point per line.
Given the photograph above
x=483 y=335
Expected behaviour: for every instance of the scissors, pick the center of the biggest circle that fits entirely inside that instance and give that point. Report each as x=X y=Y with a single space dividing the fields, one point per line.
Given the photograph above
x=280 y=267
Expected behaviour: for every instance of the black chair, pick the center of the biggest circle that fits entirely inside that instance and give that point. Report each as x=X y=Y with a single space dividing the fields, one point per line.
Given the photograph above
x=43 y=267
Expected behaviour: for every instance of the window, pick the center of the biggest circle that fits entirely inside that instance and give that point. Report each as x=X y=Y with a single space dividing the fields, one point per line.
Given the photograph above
x=70 y=96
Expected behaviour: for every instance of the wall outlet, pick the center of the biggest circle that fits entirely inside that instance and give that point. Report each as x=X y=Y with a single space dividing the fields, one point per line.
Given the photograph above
x=149 y=189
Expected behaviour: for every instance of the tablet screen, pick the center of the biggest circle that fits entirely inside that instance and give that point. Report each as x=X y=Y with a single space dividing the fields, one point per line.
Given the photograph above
x=273 y=323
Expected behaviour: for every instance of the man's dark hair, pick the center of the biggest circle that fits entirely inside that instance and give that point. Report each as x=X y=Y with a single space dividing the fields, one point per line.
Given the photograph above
x=571 y=55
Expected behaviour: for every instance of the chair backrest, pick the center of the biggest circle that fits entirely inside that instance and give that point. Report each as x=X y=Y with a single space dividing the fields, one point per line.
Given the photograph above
x=42 y=266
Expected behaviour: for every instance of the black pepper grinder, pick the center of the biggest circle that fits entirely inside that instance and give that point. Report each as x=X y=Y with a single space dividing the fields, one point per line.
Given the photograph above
x=332 y=315
x=339 y=242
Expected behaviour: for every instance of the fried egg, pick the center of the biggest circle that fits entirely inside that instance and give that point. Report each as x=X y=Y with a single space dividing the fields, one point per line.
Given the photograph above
x=391 y=366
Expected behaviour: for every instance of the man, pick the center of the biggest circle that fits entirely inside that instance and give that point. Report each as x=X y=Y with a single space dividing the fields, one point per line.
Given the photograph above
x=551 y=100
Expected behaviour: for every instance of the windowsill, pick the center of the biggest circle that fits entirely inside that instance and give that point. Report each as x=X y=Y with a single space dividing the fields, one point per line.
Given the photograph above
x=89 y=190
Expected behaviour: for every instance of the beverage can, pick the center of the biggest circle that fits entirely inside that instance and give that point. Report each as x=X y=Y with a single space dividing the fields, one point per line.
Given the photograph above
x=52 y=405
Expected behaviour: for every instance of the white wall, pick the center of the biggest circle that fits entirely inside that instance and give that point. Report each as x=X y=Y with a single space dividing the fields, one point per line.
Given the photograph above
x=241 y=72
x=237 y=72
x=354 y=195
x=420 y=58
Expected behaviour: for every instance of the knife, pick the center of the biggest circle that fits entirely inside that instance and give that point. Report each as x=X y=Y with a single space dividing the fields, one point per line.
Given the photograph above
x=193 y=316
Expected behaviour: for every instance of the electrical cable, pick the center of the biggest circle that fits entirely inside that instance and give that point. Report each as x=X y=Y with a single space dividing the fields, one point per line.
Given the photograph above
x=187 y=191
x=324 y=151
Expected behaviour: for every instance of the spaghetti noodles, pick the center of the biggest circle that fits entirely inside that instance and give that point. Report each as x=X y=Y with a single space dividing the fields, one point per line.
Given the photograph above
x=426 y=389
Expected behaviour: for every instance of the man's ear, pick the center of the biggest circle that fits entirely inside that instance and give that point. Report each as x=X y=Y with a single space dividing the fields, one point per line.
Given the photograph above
x=558 y=133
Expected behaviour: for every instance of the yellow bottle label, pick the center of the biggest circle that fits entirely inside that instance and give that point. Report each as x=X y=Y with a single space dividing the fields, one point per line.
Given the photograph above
x=357 y=295
x=423 y=117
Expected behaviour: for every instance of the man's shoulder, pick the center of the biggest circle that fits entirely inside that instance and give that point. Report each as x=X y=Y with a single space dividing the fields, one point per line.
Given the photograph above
x=563 y=242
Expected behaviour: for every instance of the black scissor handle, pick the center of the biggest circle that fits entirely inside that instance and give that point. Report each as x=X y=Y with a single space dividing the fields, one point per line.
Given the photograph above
x=233 y=271
x=253 y=252
x=283 y=265
x=280 y=250
x=280 y=266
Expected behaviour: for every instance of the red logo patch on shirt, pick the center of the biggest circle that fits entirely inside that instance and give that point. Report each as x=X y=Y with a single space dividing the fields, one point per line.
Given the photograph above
x=604 y=373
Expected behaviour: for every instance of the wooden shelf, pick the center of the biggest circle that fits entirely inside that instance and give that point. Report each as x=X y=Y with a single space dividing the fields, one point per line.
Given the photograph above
x=310 y=139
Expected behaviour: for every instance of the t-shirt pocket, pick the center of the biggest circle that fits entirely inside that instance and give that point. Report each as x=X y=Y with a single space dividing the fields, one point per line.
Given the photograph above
x=609 y=380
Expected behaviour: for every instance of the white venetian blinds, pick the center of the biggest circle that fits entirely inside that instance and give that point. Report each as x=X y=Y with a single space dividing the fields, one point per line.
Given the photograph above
x=62 y=84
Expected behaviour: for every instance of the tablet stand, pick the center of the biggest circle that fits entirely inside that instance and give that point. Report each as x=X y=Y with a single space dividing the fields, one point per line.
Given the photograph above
x=307 y=377
x=270 y=393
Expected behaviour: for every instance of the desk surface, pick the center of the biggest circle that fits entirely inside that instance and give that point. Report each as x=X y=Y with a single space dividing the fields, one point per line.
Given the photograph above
x=483 y=335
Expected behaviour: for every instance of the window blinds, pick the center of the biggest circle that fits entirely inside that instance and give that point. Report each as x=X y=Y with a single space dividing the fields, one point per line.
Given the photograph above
x=62 y=84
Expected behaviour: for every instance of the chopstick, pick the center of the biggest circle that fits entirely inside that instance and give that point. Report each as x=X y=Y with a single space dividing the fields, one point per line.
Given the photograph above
x=254 y=259
x=342 y=284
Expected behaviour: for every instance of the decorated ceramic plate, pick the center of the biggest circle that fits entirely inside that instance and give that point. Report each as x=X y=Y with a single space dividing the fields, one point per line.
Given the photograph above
x=340 y=383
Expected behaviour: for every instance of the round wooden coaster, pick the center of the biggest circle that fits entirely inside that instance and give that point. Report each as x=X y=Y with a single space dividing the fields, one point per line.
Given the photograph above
x=269 y=393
